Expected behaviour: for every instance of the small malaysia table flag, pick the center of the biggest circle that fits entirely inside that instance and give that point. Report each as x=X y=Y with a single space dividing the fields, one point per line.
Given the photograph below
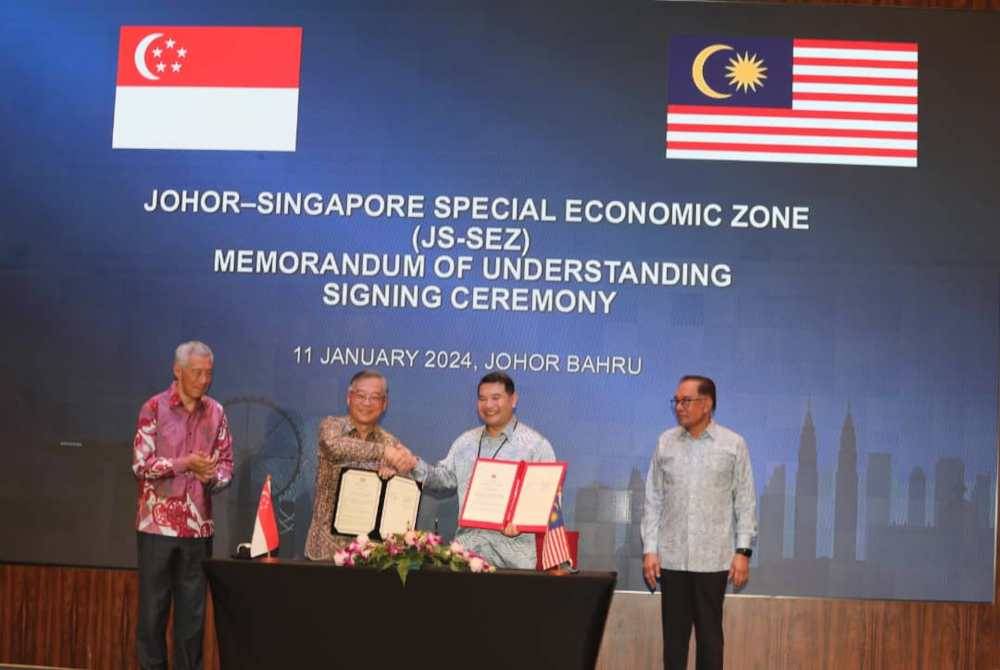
x=555 y=547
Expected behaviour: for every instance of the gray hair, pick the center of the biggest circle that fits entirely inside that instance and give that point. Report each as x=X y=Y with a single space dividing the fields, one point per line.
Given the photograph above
x=185 y=351
x=368 y=373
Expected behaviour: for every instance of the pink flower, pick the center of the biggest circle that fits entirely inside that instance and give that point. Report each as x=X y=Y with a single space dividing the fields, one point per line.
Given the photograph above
x=476 y=564
x=341 y=558
x=457 y=548
x=410 y=538
x=433 y=540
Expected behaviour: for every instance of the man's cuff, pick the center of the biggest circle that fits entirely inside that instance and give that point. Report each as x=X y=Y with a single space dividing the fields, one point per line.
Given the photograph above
x=419 y=471
x=744 y=540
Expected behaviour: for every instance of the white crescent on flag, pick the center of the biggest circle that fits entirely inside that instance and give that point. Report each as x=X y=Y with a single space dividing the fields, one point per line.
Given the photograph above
x=196 y=87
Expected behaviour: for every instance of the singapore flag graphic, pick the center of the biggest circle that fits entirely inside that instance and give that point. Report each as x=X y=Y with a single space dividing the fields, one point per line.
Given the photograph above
x=194 y=87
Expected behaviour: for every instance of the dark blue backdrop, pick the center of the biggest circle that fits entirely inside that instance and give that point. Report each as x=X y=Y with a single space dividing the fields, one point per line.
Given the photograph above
x=881 y=318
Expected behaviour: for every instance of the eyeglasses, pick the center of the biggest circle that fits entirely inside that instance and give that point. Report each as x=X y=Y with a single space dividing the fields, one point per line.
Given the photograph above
x=684 y=402
x=374 y=398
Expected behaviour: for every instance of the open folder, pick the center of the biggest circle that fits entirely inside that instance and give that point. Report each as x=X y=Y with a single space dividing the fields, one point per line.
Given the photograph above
x=511 y=492
x=366 y=505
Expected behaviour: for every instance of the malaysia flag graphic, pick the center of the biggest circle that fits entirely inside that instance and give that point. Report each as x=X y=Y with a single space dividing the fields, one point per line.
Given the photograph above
x=792 y=101
x=193 y=87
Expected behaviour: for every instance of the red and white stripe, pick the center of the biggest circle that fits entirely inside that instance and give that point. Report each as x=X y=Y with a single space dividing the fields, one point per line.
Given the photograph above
x=265 y=529
x=234 y=88
x=853 y=103
x=555 y=548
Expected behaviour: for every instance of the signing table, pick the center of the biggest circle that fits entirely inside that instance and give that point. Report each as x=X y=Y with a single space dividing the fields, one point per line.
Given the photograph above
x=298 y=614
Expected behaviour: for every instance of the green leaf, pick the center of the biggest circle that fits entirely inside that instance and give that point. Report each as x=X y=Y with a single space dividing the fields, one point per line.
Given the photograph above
x=403 y=568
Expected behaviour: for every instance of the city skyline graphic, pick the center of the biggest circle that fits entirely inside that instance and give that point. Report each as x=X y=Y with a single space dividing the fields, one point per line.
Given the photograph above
x=857 y=530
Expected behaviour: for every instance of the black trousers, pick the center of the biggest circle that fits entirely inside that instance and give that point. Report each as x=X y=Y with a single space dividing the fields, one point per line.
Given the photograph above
x=692 y=598
x=170 y=568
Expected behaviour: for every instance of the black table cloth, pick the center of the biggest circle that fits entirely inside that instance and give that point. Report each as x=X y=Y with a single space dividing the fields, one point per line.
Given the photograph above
x=300 y=614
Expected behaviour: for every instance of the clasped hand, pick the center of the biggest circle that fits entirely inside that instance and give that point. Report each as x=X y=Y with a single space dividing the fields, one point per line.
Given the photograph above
x=203 y=467
x=396 y=459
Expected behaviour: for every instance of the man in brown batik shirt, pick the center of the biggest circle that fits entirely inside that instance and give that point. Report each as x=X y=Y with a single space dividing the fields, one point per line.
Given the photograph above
x=355 y=440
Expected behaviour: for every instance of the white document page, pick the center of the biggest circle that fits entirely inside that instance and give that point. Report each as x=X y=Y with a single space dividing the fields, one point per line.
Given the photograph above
x=357 y=502
x=489 y=492
x=538 y=492
x=399 y=509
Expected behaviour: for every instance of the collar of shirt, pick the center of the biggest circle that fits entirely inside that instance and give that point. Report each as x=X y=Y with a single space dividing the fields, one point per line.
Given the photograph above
x=507 y=432
x=707 y=434
x=350 y=430
x=175 y=398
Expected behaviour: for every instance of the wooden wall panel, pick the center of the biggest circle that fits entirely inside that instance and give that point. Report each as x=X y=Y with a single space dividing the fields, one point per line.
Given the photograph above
x=819 y=634
x=74 y=618
x=85 y=618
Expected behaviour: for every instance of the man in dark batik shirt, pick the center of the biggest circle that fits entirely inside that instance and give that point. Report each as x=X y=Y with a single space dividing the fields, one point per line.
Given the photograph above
x=357 y=441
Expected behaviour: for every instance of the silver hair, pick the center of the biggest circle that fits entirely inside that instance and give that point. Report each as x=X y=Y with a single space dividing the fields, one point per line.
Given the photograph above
x=368 y=373
x=185 y=351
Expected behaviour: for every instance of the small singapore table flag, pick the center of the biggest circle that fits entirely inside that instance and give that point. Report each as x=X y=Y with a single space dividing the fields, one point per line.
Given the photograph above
x=265 y=530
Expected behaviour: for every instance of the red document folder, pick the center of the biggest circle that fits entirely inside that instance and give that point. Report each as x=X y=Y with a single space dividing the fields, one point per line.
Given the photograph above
x=501 y=492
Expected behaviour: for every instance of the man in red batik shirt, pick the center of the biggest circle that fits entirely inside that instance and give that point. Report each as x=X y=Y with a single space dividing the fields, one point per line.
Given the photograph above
x=182 y=454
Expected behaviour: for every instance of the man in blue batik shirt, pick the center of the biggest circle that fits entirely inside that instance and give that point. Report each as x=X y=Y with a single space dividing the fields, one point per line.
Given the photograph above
x=698 y=525
x=502 y=437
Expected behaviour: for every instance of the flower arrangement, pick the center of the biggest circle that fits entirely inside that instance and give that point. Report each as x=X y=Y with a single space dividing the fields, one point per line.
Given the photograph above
x=410 y=551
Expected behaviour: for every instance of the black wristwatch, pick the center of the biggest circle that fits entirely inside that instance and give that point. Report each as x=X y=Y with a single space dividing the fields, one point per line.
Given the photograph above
x=743 y=551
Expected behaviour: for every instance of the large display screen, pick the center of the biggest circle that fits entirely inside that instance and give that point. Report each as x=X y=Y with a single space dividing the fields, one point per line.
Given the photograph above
x=799 y=202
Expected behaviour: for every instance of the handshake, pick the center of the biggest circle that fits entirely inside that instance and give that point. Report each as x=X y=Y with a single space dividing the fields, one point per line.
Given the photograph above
x=396 y=459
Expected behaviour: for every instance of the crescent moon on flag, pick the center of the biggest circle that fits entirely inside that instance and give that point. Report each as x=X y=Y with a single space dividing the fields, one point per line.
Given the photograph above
x=140 y=56
x=698 y=71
